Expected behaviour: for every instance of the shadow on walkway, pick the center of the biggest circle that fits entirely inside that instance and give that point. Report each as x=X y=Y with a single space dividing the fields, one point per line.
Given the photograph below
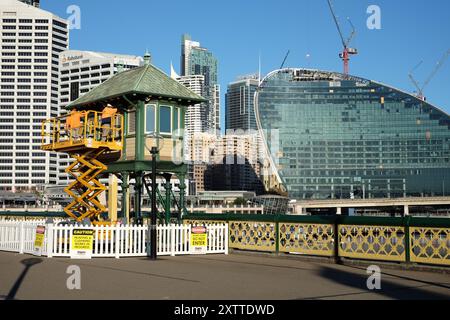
x=389 y=288
x=28 y=263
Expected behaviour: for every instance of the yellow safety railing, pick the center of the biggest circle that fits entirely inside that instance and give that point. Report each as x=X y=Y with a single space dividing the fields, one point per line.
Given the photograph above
x=253 y=235
x=93 y=130
x=307 y=238
x=372 y=242
x=430 y=245
x=404 y=240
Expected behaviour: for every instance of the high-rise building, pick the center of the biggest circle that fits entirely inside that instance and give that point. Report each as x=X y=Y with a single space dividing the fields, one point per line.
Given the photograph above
x=80 y=72
x=195 y=116
x=195 y=120
x=196 y=60
x=34 y=3
x=31 y=40
x=330 y=135
x=239 y=100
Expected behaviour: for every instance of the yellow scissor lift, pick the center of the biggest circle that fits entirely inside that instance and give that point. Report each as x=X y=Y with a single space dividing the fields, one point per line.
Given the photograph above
x=90 y=145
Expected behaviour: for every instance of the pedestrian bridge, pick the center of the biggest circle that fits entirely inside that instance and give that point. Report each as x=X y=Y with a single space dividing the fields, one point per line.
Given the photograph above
x=339 y=204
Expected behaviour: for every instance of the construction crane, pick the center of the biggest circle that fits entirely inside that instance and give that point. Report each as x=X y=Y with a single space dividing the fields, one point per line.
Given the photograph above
x=421 y=89
x=285 y=58
x=345 y=55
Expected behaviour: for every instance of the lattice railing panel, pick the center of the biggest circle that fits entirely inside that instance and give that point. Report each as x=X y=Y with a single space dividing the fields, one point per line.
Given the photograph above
x=430 y=245
x=372 y=242
x=307 y=238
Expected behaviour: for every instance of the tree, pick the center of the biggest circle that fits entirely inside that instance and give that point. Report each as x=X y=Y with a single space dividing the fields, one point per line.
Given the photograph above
x=240 y=201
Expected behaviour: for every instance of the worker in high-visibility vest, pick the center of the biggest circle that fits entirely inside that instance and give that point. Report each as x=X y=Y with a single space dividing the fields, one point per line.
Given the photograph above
x=108 y=114
x=74 y=125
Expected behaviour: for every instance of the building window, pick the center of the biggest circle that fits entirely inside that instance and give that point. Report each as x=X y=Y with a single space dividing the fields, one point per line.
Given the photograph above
x=74 y=91
x=150 y=118
x=131 y=123
x=165 y=119
x=177 y=120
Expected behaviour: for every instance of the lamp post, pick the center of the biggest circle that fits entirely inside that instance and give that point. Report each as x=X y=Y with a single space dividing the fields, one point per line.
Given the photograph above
x=153 y=252
x=152 y=227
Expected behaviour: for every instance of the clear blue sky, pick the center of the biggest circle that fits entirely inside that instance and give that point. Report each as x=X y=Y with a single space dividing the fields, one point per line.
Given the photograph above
x=236 y=31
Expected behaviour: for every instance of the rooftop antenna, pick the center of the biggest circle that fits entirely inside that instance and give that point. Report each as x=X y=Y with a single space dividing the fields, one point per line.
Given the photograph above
x=347 y=51
x=259 y=68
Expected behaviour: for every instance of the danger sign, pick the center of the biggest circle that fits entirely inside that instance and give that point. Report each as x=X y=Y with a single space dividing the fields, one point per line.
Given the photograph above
x=39 y=240
x=199 y=240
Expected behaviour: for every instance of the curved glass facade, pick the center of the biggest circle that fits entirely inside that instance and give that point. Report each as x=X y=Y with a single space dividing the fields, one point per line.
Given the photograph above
x=332 y=136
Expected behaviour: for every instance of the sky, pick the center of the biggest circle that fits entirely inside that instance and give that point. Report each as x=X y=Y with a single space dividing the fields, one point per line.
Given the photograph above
x=239 y=31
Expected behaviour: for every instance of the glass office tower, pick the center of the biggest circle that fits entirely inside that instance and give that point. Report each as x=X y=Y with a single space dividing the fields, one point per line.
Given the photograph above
x=239 y=110
x=334 y=136
x=196 y=60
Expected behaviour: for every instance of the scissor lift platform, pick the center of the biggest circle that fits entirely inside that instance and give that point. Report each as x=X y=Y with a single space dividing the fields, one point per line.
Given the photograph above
x=87 y=144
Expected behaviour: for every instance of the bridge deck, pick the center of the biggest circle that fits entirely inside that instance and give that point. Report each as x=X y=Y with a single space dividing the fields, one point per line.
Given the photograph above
x=356 y=203
x=232 y=277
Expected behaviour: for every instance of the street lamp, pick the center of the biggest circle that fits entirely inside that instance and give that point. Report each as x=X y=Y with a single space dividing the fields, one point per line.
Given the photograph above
x=158 y=143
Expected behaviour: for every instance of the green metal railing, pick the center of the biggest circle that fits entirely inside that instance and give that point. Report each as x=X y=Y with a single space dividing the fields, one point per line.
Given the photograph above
x=405 y=240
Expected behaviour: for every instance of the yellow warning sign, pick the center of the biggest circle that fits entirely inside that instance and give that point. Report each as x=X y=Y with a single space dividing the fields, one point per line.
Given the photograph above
x=199 y=240
x=39 y=240
x=82 y=243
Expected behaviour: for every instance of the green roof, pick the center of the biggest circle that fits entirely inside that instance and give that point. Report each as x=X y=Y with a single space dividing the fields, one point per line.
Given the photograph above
x=146 y=80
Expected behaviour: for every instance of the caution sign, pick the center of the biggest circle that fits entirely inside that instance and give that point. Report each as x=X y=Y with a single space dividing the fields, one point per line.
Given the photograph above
x=199 y=240
x=82 y=244
x=39 y=240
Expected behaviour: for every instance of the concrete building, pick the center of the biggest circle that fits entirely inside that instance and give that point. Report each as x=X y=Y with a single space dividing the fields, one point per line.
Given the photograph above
x=196 y=60
x=199 y=150
x=35 y=3
x=229 y=162
x=195 y=117
x=235 y=164
x=80 y=72
x=31 y=40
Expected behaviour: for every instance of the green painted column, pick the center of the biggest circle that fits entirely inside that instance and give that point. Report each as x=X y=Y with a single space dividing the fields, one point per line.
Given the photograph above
x=140 y=131
x=125 y=133
x=182 y=212
x=138 y=198
x=125 y=196
x=407 y=224
x=168 y=189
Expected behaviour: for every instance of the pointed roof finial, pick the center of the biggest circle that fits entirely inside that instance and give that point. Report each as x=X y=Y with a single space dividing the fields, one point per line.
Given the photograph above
x=147 y=58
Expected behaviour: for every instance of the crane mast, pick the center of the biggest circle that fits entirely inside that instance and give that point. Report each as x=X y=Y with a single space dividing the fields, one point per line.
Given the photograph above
x=347 y=51
x=421 y=89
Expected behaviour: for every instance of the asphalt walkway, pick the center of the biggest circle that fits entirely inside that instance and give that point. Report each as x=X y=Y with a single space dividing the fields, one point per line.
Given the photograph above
x=212 y=277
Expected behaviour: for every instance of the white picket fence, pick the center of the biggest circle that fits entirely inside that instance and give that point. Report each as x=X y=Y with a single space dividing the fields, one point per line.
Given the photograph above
x=109 y=241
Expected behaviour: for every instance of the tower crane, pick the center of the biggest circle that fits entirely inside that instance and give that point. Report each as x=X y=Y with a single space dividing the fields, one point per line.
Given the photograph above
x=421 y=89
x=285 y=58
x=347 y=51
